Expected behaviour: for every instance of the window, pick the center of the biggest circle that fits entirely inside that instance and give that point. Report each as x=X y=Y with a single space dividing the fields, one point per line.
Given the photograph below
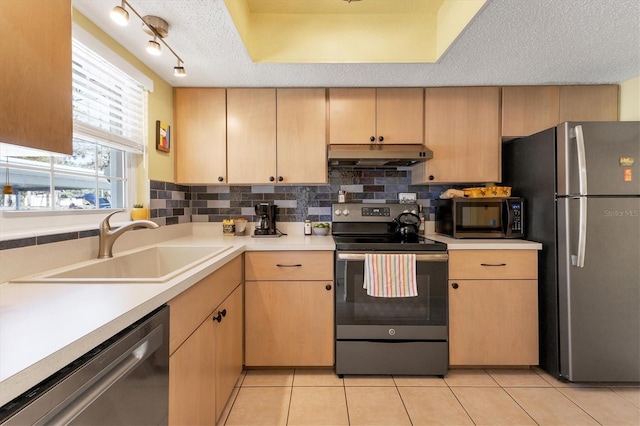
x=109 y=115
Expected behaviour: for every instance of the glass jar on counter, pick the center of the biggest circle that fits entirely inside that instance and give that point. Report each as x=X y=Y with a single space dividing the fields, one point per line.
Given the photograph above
x=307 y=227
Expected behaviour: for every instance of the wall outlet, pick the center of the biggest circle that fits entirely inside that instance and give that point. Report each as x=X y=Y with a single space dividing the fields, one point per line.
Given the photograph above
x=407 y=197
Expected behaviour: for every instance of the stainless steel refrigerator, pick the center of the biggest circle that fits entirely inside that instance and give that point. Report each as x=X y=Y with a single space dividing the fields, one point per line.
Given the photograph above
x=581 y=183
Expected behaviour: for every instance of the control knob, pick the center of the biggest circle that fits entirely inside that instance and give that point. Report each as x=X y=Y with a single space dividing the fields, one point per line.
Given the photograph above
x=345 y=212
x=337 y=212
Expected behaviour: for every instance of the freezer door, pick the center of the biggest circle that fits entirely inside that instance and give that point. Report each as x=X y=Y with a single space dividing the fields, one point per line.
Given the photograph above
x=599 y=303
x=599 y=158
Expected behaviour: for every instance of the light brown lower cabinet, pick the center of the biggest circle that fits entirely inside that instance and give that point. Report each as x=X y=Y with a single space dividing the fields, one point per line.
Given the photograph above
x=206 y=359
x=493 y=308
x=493 y=322
x=289 y=309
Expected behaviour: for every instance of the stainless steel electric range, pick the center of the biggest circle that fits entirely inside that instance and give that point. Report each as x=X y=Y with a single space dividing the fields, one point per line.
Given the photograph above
x=382 y=335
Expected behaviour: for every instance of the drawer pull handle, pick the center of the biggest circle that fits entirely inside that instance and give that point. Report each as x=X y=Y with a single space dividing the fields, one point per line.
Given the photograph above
x=493 y=264
x=298 y=265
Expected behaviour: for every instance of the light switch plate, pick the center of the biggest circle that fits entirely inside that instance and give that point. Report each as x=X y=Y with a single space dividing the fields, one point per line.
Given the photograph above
x=407 y=197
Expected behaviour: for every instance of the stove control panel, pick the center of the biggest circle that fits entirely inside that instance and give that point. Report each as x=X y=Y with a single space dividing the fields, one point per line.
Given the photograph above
x=376 y=211
x=370 y=212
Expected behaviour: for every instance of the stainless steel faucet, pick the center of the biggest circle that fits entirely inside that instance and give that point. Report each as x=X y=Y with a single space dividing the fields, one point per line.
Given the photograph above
x=109 y=235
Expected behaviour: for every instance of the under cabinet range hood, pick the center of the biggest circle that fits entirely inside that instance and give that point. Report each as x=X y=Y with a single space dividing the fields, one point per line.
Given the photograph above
x=377 y=155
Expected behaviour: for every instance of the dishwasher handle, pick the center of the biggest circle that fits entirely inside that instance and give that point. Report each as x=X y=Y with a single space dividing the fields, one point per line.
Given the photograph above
x=99 y=384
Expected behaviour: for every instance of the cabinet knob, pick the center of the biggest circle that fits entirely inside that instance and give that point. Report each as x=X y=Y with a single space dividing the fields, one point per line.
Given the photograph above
x=381 y=138
x=431 y=177
x=218 y=317
x=271 y=178
x=454 y=285
x=224 y=313
x=220 y=178
x=328 y=287
x=280 y=178
x=372 y=138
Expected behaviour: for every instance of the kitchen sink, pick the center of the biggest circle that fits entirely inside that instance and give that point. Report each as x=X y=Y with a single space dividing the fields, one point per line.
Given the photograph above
x=151 y=265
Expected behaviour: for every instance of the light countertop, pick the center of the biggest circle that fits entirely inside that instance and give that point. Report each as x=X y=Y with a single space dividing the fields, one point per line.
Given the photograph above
x=43 y=327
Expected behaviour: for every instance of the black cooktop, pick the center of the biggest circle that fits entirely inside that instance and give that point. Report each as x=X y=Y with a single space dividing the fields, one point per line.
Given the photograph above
x=387 y=242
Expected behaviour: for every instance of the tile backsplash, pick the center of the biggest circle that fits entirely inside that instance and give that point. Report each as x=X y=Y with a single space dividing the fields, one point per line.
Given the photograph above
x=171 y=203
x=174 y=204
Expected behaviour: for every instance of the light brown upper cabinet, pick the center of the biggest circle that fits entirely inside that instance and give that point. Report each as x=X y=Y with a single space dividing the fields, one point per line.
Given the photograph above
x=251 y=135
x=462 y=128
x=383 y=115
x=276 y=136
x=530 y=109
x=302 y=135
x=201 y=135
x=589 y=103
x=35 y=81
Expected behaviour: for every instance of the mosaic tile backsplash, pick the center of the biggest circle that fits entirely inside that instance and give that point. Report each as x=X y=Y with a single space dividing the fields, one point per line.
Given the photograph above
x=171 y=203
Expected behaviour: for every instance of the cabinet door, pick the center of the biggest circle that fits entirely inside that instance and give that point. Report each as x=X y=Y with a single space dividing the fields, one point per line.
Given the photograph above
x=352 y=116
x=462 y=127
x=400 y=115
x=289 y=323
x=493 y=322
x=192 y=379
x=251 y=135
x=35 y=81
x=302 y=137
x=201 y=135
x=529 y=109
x=589 y=103
x=228 y=348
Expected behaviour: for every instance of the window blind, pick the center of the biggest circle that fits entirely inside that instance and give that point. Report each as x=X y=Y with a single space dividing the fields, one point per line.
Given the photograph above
x=108 y=104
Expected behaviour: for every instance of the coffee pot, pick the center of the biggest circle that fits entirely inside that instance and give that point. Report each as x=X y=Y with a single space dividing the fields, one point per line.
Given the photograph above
x=266 y=222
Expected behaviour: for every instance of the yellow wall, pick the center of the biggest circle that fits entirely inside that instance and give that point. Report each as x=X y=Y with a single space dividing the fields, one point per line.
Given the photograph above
x=160 y=164
x=630 y=99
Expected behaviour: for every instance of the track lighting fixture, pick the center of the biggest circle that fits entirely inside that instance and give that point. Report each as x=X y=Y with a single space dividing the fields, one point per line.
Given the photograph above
x=154 y=26
x=120 y=15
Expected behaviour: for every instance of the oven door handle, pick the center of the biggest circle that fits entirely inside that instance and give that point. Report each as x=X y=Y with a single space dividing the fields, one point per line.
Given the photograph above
x=430 y=257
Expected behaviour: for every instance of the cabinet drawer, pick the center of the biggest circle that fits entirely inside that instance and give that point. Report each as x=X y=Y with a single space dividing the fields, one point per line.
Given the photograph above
x=289 y=265
x=493 y=264
x=191 y=307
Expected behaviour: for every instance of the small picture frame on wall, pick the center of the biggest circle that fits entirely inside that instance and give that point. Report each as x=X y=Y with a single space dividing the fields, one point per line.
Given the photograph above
x=163 y=136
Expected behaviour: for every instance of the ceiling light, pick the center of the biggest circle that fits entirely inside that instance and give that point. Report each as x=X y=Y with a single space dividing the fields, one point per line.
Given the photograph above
x=153 y=47
x=120 y=15
x=178 y=70
x=156 y=27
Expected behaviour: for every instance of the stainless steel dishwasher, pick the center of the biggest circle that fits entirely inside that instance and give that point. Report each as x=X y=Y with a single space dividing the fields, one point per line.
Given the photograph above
x=123 y=381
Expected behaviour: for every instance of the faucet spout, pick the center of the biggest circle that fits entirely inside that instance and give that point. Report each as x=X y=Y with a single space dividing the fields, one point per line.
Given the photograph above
x=108 y=235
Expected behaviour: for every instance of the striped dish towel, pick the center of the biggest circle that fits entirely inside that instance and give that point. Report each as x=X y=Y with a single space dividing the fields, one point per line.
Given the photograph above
x=390 y=275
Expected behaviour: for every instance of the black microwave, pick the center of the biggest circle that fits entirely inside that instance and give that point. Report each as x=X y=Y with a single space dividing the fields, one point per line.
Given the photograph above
x=480 y=217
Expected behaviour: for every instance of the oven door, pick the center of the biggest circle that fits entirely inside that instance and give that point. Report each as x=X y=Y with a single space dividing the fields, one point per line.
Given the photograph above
x=363 y=317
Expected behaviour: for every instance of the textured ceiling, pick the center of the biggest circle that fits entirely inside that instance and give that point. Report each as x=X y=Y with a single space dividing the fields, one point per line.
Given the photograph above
x=510 y=42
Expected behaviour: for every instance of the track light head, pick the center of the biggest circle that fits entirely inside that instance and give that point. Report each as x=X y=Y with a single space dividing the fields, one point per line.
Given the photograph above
x=153 y=47
x=178 y=71
x=119 y=15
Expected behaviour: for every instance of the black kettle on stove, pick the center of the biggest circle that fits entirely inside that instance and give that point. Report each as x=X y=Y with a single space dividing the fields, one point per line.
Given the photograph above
x=407 y=225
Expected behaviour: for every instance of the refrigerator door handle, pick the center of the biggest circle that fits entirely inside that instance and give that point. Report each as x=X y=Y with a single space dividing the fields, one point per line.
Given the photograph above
x=578 y=259
x=582 y=161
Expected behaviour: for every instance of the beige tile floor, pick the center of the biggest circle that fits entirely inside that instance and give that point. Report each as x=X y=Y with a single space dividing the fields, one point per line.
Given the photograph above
x=463 y=397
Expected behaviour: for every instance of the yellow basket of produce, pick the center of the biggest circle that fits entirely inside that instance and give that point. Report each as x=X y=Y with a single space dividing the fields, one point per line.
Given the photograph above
x=488 y=191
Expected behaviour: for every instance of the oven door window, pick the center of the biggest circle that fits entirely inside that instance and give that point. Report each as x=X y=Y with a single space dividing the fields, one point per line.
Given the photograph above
x=355 y=307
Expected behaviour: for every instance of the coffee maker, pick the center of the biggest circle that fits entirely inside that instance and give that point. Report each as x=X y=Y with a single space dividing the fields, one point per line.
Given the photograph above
x=266 y=223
